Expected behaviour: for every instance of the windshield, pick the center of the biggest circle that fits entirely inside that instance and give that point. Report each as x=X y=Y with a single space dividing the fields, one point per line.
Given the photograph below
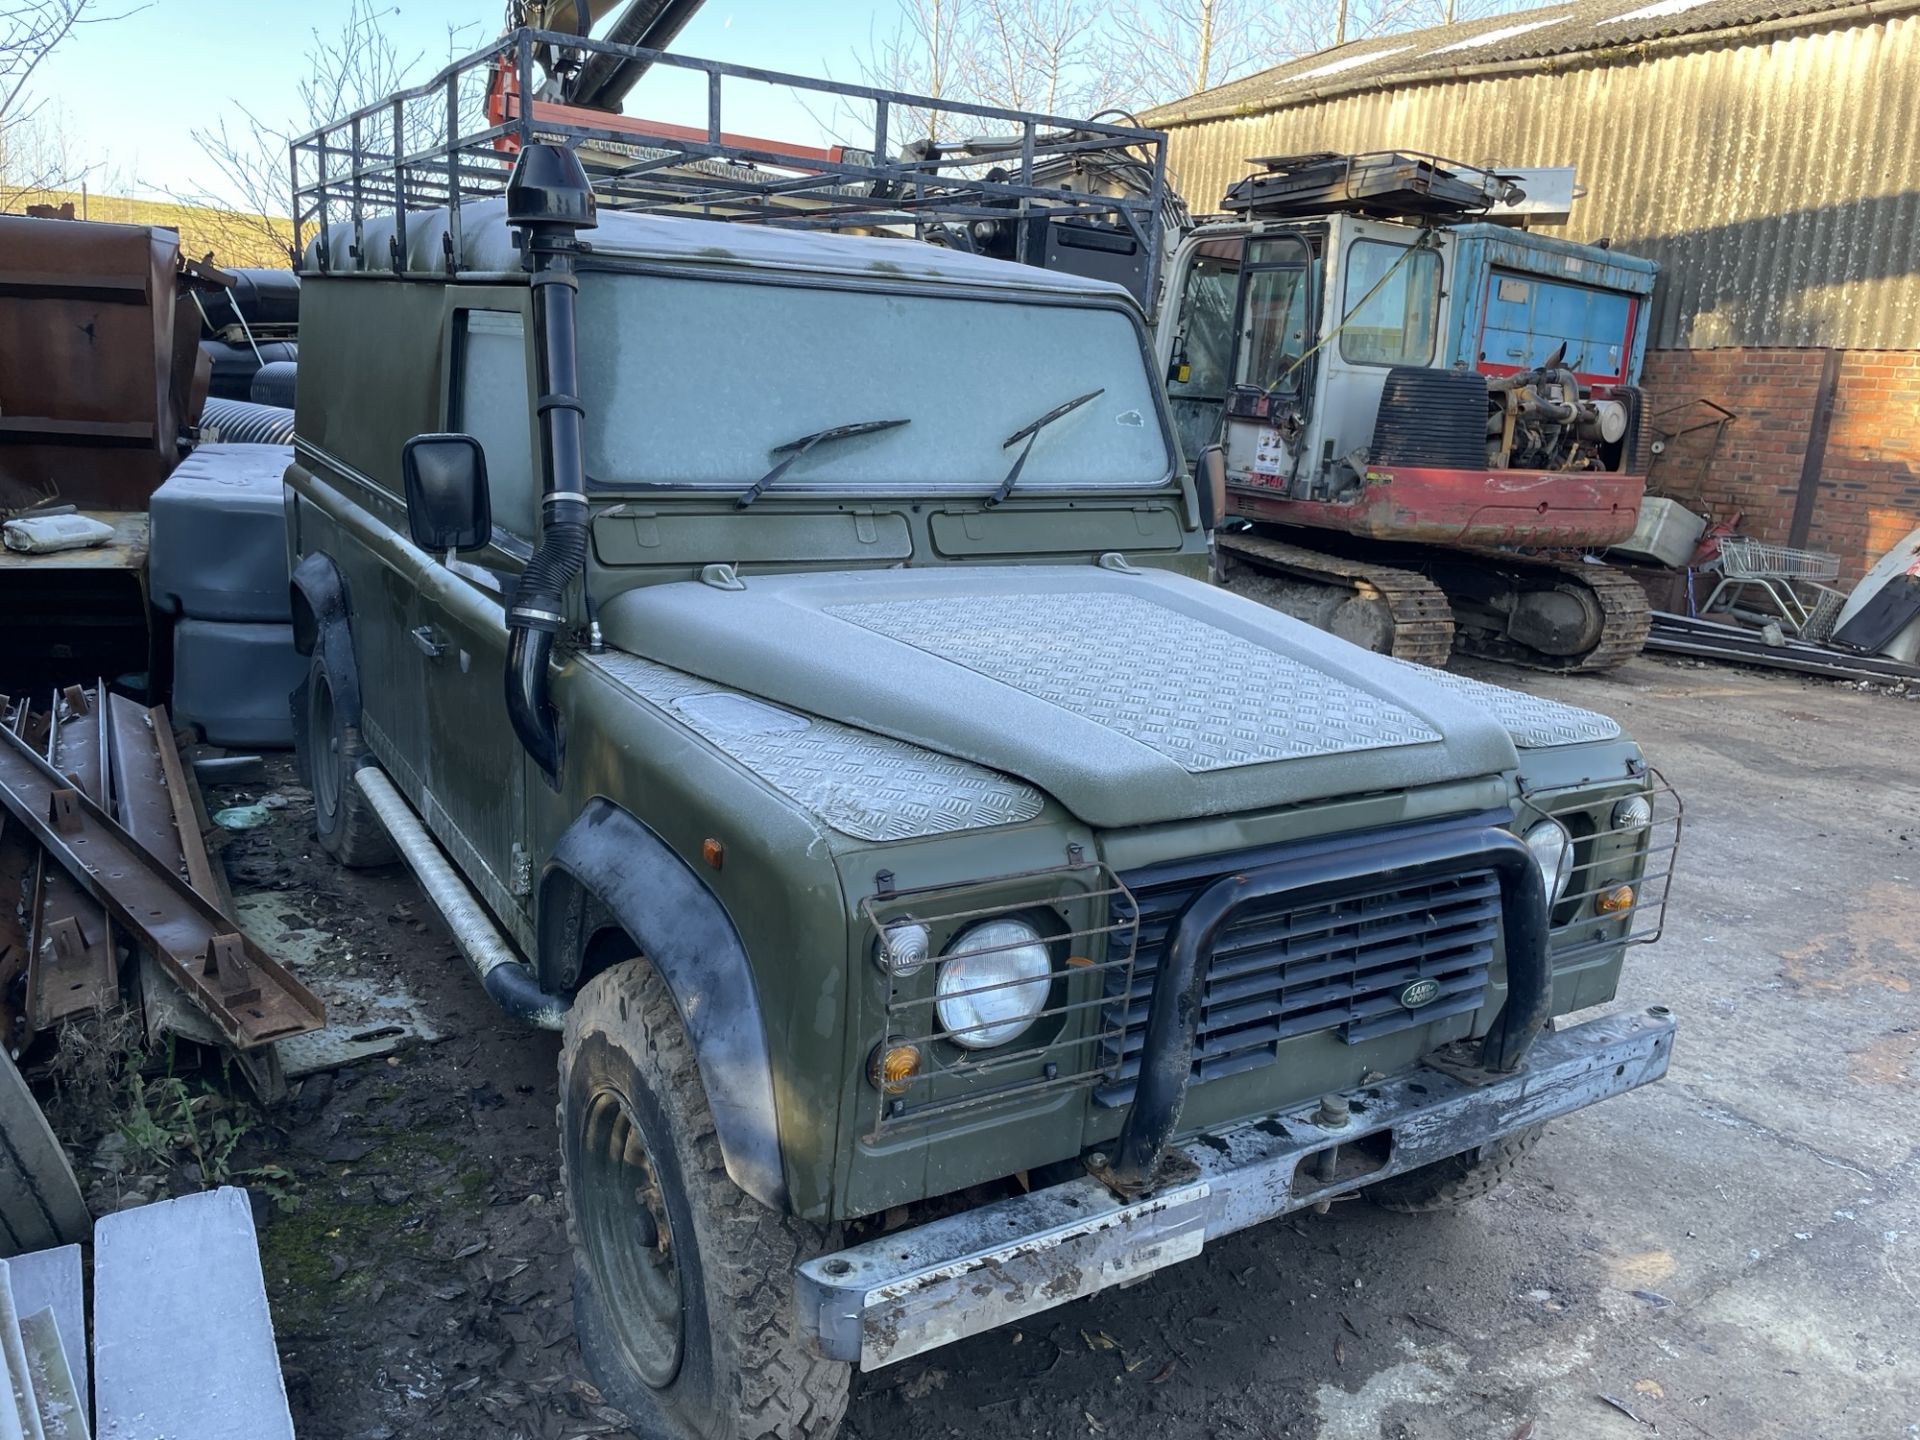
x=698 y=382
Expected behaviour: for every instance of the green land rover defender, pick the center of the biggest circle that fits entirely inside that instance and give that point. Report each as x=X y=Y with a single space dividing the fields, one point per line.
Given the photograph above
x=789 y=661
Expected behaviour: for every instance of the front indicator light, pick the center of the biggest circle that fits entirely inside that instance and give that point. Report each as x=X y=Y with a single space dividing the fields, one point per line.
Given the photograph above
x=1612 y=901
x=903 y=948
x=892 y=1067
x=1633 y=813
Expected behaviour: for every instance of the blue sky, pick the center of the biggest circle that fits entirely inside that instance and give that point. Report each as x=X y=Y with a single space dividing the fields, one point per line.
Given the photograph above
x=129 y=93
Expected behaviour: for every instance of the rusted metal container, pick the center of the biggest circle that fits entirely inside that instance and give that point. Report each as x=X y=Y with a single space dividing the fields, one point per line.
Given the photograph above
x=99 y=362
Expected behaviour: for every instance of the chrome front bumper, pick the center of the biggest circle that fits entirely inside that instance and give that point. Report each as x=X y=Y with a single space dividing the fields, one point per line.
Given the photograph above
x=916 y=1290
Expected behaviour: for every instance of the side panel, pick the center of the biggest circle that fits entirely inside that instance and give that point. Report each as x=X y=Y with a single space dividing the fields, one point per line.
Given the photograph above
x=475 y=772
x=428 y=637
x=351 y=418
x=1481 y=249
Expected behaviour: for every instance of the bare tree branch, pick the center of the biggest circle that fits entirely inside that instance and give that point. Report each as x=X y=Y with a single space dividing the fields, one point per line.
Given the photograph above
x=1075 y=56
x=34 y=157
x=346 y=70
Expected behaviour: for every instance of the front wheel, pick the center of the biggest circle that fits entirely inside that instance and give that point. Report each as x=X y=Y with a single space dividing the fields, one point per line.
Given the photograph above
x=683 y=1284
x=1450 y=1183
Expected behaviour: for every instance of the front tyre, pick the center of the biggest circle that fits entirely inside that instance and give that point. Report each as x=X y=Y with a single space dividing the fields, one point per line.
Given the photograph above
x=683 y=1284
x=1450 y=1183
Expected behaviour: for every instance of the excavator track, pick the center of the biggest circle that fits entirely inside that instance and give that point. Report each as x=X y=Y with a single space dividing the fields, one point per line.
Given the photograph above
x=1625 y=619
x=1404 y=614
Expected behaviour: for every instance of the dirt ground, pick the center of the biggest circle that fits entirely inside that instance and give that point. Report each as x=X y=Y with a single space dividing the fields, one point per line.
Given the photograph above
x=1734 y=1253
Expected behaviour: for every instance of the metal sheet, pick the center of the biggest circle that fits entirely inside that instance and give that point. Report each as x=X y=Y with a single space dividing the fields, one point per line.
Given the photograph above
x=17 y=856
x=1749 y=168
x=1533 y=721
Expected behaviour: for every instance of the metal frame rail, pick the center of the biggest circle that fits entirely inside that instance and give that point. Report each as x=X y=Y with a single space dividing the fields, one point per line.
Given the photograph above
x=454 y=138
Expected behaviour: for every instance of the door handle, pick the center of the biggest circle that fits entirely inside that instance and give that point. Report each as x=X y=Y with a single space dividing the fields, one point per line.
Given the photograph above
x=429 y=642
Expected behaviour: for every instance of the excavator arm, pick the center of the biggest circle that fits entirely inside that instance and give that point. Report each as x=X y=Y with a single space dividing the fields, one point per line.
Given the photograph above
x=596 y=80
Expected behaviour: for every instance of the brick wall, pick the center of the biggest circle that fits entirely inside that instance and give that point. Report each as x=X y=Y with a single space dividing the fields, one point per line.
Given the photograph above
x=1868 y=494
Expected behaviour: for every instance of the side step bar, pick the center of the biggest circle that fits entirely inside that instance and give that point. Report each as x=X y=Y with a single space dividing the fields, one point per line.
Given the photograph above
x=493 y=957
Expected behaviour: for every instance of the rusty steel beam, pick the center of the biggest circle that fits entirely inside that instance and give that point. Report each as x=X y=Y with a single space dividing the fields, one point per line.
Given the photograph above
x=142 y=799
x=17 y=854
x=72 y=967
x=157 y=804
x=247 y=994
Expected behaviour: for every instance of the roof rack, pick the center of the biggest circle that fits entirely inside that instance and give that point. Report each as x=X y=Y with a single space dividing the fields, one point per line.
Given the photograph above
x=454 y=139
x=1385 y=184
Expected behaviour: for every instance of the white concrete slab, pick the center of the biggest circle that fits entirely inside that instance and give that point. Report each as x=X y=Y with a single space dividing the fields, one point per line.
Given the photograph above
x=63 y=1414
x=50 y=1280
x=20 y=1378
x=182 y=1337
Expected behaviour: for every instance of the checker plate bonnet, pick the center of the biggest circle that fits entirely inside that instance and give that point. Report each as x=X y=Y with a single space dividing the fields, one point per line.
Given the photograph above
x=863 y=785
x=1533 y=721
x=1130 y=698
x=1204 y=698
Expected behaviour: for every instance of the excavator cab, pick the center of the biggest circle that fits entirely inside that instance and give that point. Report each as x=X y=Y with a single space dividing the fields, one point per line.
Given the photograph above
x=1282 y=357
x=1427 y=417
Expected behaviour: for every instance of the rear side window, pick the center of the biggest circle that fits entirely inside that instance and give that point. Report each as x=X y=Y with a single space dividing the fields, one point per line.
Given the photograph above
x=1392 y=299
x=490 y=404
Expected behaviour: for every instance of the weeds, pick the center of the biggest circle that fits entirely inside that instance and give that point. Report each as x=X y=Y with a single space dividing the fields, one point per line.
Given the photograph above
x=168 y=1116
x=103 y=1085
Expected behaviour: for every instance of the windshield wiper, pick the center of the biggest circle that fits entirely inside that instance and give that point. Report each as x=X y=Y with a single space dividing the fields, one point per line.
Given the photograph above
x=1030 y=433
x=794 y=449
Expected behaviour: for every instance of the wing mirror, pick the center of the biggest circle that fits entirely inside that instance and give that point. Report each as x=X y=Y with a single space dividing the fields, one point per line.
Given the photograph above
x=1210 y=485
x=447 y=504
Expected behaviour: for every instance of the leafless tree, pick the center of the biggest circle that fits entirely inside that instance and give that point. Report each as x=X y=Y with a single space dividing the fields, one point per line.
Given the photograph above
x=34 y=156
x=920 y=55
x=1032 y=55
x=1165 y=49
x=345 y=70
x=1076 y=56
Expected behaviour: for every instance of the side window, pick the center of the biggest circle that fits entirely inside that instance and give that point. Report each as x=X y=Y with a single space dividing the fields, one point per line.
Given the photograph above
x=490 y=404
x=1392 y=298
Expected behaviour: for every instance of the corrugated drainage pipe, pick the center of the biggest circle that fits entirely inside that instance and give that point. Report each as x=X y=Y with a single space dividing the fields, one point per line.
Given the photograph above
x=494 y=960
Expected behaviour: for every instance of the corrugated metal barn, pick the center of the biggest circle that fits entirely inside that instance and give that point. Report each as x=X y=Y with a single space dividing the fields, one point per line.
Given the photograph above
x=1766 y=154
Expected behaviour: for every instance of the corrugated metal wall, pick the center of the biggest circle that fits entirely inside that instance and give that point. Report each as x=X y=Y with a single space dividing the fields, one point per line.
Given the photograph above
x=1776 y=182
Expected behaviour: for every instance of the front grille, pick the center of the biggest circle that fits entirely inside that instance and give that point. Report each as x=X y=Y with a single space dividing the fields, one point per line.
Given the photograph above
x=1284 y=967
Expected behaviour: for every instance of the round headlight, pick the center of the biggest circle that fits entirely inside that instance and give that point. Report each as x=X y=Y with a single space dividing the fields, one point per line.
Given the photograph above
x=993 y=982
x=1553 y=852
x=1633 y=813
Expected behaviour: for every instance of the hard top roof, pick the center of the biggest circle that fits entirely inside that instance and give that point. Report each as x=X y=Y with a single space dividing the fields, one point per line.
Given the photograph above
x=485 y=246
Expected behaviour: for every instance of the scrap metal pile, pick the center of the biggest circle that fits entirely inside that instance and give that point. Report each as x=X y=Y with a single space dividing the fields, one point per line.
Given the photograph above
x=111 y=898
x=1779 y=607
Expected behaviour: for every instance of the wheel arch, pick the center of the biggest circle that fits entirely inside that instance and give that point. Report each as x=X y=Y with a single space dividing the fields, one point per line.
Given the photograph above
x=318 y=593
x=608 y=860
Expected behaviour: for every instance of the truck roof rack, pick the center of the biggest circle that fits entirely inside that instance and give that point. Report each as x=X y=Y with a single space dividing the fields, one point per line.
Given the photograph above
x=1384 y=184
x=454 y=138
